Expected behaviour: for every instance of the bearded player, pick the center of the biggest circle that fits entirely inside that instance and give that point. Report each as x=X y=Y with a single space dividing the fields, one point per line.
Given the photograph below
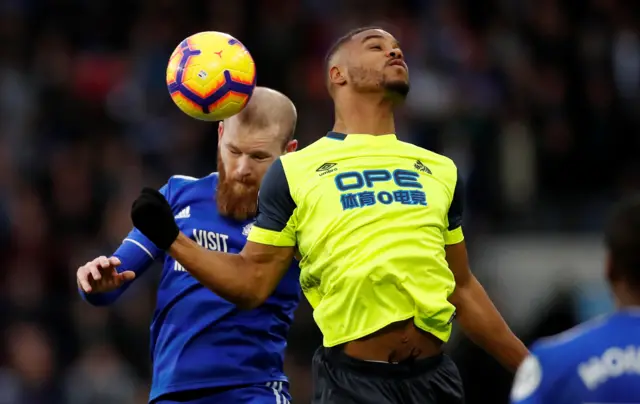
x=204 y=349
x=378 y=223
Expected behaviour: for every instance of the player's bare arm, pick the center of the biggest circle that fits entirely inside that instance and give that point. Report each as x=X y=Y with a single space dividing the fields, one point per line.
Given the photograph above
x=246 y=279
x=477 y=315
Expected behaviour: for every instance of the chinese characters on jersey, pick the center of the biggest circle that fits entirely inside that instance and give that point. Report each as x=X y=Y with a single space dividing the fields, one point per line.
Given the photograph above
x=370 y=198
x=353 y=196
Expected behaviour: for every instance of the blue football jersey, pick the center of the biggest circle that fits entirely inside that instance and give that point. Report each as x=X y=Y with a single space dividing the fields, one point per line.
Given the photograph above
x=597 y=362
x=198 y=339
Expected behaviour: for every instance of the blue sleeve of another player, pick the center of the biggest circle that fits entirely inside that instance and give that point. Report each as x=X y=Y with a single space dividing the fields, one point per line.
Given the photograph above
x=532 y=381
x=136 y=253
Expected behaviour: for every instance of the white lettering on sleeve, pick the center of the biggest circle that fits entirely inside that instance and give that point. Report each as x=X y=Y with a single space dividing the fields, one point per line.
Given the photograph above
x=527 y=379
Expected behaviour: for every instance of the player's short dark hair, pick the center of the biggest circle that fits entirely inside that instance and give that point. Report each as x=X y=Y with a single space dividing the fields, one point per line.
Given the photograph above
x=344 y=39
x=623 y=241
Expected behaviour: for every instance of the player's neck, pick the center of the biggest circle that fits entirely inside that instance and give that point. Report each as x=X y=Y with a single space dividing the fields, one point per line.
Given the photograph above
x=625 y=297
x=628 y=303
x=364 y=114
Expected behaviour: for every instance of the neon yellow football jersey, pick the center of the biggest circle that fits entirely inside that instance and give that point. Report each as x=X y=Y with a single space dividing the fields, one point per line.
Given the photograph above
x=371 y=216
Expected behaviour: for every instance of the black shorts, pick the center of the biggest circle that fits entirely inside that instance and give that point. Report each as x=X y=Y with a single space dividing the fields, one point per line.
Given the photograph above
x=340 y=379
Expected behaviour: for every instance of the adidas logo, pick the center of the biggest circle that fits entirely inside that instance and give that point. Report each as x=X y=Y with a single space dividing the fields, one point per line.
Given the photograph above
x=184 y=213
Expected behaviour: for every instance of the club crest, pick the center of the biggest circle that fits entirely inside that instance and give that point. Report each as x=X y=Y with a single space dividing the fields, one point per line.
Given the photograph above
x=247 y=229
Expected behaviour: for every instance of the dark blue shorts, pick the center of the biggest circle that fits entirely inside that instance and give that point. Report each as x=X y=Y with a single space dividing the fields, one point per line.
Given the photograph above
x=341 y=379
x=269 y=393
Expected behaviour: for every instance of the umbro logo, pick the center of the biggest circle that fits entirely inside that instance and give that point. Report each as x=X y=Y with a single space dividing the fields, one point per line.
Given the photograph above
x=327 y=168
x=184 y=213
x=419 y=165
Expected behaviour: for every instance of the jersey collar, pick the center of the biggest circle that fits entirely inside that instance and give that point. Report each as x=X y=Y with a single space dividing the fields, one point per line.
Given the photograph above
x=360 y=136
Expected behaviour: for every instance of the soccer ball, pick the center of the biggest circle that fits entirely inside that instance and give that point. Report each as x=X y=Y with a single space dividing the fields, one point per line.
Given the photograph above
x=211 y=76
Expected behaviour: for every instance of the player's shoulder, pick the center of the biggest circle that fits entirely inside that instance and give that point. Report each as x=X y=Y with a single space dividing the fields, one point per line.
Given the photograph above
x=568 y=349
x=324 y=147
x=315 y=157
x=181 y=186
x=311 y=151
x=574 y=338
x=550 y=359
x=559 y=357
x=180 y=181
x=426 y=156
x=429 y=162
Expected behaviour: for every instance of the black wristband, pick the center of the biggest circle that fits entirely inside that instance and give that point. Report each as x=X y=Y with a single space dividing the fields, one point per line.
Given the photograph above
x=152 y=215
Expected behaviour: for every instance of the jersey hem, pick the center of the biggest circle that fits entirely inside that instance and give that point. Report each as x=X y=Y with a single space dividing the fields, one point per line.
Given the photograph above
x=179 y=387
x=441 y=335
x=368 y=331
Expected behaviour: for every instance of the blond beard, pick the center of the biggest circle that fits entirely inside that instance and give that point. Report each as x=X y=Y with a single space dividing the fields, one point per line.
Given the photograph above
x=235 y=199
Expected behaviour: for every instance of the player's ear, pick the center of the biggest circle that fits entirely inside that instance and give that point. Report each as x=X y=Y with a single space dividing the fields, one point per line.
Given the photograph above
x=220 y=130
x=291 y=146
x=336 y=76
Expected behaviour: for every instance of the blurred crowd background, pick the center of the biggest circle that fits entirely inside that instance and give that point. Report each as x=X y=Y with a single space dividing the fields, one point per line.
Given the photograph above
x=535 y=100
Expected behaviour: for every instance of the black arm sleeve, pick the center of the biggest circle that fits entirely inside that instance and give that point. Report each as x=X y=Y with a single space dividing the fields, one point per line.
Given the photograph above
x=275 y=204
x=457 y=205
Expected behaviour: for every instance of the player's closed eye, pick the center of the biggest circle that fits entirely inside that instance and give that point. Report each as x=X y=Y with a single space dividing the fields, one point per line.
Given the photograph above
x=375 y=47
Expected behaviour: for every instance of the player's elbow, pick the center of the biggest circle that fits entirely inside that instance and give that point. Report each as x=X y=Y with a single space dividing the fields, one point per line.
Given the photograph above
x=249 y=303
x=255 y=283
x=251 y=298
x=244 y=290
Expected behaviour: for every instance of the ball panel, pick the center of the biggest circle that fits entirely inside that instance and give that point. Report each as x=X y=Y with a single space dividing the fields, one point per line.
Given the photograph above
x=227 y=109
x=172 y=66
x=230 y=98
x=189 y=107
x=201 y=83
x=241 y=77
x=211 y=76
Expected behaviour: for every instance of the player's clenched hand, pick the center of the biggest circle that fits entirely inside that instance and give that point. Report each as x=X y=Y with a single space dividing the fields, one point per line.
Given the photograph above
x=152 y=215
x=101 y=275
